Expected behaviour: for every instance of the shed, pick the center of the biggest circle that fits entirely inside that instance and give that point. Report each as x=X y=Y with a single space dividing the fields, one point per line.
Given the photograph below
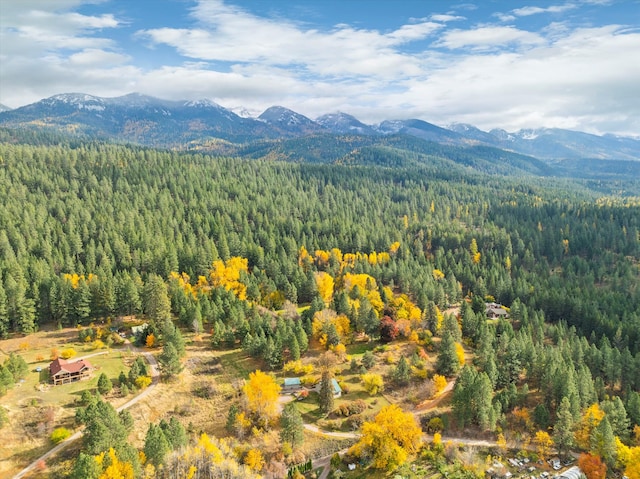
x=291 y=385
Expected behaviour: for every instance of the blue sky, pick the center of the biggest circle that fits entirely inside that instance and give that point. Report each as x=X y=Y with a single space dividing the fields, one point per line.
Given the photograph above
x=507 y=64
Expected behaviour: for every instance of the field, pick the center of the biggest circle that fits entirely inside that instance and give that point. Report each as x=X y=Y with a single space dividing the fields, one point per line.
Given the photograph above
x=35 y=407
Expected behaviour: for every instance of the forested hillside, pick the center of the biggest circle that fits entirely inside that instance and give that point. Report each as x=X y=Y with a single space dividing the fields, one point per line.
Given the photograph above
x=88 y=231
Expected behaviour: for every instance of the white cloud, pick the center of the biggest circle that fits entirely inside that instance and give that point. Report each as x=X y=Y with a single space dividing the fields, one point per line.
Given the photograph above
x=533 y=10
x=446 y=18
x=231 y=34
x=485 y=37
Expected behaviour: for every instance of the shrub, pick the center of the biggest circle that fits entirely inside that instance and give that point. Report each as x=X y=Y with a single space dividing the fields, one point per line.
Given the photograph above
x=142 y=382
x=296 y=367
x=373 y=383
x=59 y=435
x=308 y=380
x=97 y=344
x=54 y=354
x=67 y=353
x=355 y=422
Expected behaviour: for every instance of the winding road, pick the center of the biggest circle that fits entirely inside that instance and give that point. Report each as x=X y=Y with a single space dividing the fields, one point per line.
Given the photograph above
x=155 y=377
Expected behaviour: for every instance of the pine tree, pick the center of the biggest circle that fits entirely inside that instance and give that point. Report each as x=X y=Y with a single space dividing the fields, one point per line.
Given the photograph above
x=234 y=410
x=368 y=360
x=4 y=314
x=602 y=442
x=447 y=362
x=174 y=432
x=326 y=392
x=104 y=384
x=156 y=445
x=17 y=366
x=294 y=349
x=86 y=467
x=292 y=425
x=169 y=360
x=401 y=374
x=563 y=429
x=156 y=300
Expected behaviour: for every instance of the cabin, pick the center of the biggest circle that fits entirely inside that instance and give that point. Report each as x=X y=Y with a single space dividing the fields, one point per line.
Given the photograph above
x=495 y=311
x=62 y=371
x=292 y=386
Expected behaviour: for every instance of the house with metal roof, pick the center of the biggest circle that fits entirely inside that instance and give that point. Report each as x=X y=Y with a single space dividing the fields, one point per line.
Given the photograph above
x=572 y=473
x=291 y=386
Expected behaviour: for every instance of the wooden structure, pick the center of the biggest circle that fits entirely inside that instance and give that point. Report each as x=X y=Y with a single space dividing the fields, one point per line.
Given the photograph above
x=62 y=371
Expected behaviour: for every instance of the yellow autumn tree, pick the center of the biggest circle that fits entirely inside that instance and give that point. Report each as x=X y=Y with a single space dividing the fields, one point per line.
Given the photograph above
x=590 y=420
x=544 y=443
x=323 y=319
x=116 y=468
x=254 y=460
x=439 y=383
x=628 y=459
x=210 y=457
x=261 y=395
x=372 y=383
x=389 y=438
x=324 y=283
x=460 y=354
x=227 y=275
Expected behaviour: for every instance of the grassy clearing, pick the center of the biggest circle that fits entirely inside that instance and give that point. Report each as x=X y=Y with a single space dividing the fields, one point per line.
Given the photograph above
x=35 y=407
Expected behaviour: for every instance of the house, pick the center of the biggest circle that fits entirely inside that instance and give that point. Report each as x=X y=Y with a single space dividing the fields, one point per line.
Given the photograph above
x=337 y=390
x=138 y=331
x=62 y=371
x=291 y=386
x=495 y=311
x=572 y=473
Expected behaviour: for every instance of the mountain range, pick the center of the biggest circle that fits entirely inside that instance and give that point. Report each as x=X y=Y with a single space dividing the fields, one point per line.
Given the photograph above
x=185 y=124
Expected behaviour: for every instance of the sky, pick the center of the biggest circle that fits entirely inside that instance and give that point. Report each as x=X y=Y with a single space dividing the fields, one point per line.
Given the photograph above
x=494 y=64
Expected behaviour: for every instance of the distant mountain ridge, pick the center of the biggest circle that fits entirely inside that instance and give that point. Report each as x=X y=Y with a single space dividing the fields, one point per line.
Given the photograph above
x=169 y=123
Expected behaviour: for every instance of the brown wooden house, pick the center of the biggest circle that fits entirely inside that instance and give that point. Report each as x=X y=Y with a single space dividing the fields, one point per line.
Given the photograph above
x=62 y=371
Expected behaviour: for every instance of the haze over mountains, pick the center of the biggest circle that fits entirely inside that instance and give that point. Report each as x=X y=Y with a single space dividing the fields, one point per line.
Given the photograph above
x=151 y=121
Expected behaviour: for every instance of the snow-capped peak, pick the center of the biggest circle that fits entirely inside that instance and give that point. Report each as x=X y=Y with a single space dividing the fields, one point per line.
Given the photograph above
x=79 y=100
x=203 y=103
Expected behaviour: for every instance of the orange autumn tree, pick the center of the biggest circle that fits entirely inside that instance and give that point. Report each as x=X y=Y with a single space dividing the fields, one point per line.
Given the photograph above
x=592 y=466
x=261 y=394
x=389 y=438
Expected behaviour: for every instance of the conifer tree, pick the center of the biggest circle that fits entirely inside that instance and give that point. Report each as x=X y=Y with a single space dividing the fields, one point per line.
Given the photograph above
x=156 y=445
x=563 y=429
x=292 y=425
x=104 y=384
x=447 y=362
x=169 y=360
x=401 y=374
x=326 y=392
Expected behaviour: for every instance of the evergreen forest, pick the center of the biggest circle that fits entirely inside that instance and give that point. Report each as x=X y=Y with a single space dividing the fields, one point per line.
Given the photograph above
x=92 y=230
